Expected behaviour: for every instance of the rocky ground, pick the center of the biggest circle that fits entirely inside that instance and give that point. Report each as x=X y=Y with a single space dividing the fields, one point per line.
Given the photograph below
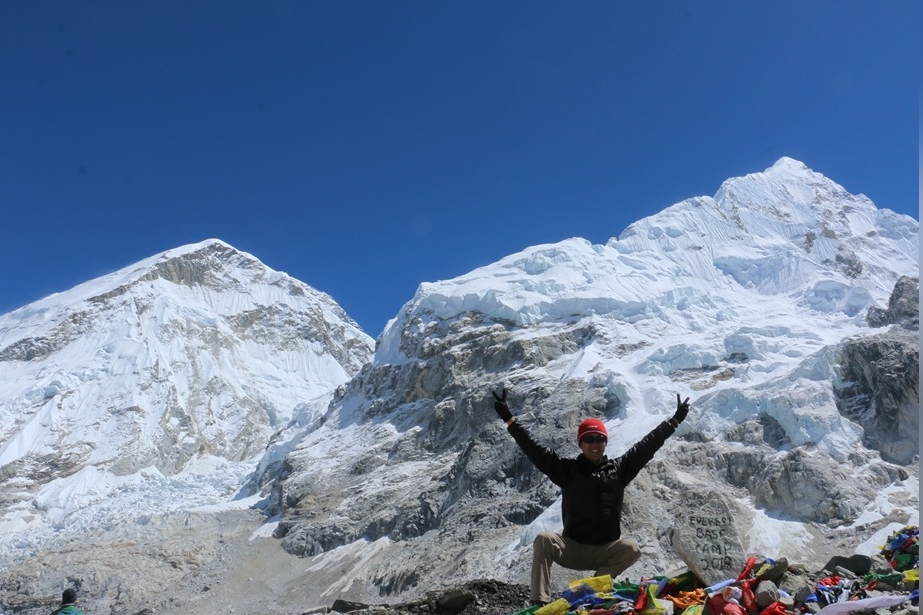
x=223 y=567
x=256 y=576
x=480 y=597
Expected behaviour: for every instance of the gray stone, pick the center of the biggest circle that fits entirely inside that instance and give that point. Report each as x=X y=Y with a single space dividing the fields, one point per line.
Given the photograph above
x=845 y=573
x=879 y=565
x=766 y=593
x=856 y=564
x=885 y=585
x=796 y=585
x=345 y=606
x=774 y=571
x=455 y=599
x=706 y=537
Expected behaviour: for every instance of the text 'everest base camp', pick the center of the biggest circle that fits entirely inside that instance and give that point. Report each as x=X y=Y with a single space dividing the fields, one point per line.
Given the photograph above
x=199 y=434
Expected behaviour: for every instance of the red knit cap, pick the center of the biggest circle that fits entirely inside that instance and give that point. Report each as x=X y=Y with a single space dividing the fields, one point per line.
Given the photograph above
x=591 y=426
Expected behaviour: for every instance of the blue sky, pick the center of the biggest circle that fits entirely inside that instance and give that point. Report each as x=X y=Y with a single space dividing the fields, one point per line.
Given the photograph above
x=365 y=147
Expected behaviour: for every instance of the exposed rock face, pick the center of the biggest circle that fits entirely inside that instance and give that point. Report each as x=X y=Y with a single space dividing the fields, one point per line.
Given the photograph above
x=472 y=490
x=903 y=306
x=470 y=473
x=879 y=378
x=879 y=389
x=475 y=494
x=810 y=485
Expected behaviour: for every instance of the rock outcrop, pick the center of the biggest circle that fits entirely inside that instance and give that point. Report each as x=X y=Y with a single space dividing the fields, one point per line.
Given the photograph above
x=879 y=377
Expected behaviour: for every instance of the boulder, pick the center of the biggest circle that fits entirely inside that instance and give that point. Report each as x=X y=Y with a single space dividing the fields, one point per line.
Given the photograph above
x=706 y=537
x=766 y=593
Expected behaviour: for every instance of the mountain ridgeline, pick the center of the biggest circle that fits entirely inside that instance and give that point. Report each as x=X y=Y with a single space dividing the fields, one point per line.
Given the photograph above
x=199 y=380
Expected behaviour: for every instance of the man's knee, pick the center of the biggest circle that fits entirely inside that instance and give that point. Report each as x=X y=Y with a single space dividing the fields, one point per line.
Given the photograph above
x=620 y=555
x=545 y=543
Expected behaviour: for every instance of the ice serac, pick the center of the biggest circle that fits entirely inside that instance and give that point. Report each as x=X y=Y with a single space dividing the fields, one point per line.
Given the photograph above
x=745 y=301
x=157 y=388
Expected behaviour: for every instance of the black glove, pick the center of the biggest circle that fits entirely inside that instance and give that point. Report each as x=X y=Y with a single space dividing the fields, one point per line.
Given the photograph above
x=500 y=405
x=682 y=409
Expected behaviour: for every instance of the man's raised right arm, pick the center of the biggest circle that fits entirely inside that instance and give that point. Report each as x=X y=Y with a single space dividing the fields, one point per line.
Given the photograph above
x=542 y=457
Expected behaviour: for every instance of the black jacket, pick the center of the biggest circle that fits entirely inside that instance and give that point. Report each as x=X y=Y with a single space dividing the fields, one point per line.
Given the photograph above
x=591 y=496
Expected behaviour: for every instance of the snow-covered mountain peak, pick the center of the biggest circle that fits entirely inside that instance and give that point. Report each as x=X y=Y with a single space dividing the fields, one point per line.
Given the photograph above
x=207 y=263
x=785 y=230
x=191 y=358
x=792 y=195
x=788 y=200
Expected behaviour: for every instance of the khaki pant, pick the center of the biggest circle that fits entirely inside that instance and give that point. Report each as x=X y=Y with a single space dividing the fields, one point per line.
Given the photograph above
x=611 y=558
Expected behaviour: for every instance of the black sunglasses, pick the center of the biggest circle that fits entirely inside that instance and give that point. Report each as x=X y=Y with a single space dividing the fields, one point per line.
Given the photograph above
x=591 y=439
